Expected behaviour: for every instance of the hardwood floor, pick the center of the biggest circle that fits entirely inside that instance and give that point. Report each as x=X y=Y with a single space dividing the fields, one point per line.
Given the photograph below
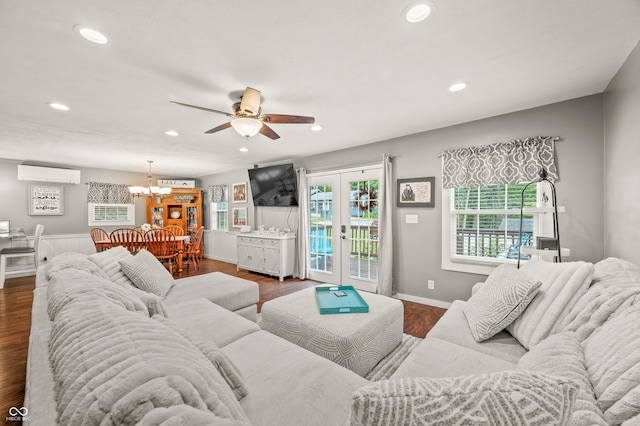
x=15 y=321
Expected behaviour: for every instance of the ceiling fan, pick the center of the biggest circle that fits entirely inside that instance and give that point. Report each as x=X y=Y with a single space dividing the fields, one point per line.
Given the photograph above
x=248 y=119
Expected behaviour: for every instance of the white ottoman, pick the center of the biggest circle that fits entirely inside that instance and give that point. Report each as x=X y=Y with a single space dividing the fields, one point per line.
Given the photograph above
x=355 y=341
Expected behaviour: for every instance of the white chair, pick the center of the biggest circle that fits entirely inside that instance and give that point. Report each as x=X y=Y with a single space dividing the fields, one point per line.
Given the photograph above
x=13 y=252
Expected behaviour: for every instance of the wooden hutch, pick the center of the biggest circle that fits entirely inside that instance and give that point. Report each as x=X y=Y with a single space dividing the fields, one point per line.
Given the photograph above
x=183 y=207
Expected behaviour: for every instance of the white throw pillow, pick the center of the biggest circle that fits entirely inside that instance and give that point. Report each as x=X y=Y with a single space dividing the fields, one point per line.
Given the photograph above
x=498 y=302
x=562 y=285
x=147 y=273
x=108 y=261
x=562 y=355
x=487 y=399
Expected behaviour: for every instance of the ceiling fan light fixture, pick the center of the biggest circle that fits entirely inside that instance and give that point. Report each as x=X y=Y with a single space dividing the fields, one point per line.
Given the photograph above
x=90 y=34
x=418 y=11
x=246 y=126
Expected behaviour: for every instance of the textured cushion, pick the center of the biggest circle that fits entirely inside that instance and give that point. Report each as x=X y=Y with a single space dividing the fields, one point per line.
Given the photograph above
x=562 y=355
x=223 y=326
x=615 y=287
x=489 y=399
x=147 y=273
x=614 y=272
x=562 y=285
x=224 y=365
x=496 y=304
x=289 y=385
x=225 y=290
x=612 y=358
x=108 y=261
x=112 y=366
x=75 y=261
x=71 y=286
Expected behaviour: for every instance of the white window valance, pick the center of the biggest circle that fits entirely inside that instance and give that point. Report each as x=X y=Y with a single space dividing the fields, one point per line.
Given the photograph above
x=108 y=193
x=516 y=161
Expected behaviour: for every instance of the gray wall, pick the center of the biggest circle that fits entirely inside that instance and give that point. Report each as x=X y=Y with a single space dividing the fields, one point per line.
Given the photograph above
x=14 y=202
x=417 y=258
x=622 y=162
x=579 y=122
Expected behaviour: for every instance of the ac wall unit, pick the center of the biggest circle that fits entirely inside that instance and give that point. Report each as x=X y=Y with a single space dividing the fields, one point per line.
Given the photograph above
x=48 y=174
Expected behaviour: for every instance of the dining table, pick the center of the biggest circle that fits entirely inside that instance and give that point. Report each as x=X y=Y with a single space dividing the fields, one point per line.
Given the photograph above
x=183 y=240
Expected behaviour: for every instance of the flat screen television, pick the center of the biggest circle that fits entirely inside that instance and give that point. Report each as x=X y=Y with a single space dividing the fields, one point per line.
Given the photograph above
x=274 y=186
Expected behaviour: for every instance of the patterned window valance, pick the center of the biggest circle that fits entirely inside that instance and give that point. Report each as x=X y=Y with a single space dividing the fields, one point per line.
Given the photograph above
x=109 y=193
x=501 y=163
x=217 y=193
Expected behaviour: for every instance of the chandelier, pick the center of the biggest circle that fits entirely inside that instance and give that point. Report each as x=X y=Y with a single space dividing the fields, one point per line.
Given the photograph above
x=150 y=190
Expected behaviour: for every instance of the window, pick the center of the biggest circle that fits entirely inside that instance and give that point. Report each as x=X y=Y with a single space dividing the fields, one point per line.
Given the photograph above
x=111 y=214
x=220 y=211
x=481 y=226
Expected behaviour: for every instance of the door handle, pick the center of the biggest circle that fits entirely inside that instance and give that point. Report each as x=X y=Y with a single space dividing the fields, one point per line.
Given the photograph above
x=344 y=237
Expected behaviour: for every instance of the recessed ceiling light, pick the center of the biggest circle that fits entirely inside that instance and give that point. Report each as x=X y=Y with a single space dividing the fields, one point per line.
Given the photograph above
x=418 y=11
x=244 y=149
x=316 y=127
x=171 y=133
x=59 y=106
x=91 y=34
x=456 y=87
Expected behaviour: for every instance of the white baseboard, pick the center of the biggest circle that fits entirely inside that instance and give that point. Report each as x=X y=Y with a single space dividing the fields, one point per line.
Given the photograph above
x=222 y=259
x=423 y=300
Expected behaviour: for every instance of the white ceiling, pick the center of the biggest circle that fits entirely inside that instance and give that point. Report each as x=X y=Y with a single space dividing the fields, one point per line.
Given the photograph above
x=359 y=68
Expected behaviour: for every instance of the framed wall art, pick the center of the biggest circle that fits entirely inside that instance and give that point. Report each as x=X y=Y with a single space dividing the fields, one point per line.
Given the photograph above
x=416 y=192
x=46 y=200
x=239 y=217
x=240 y=192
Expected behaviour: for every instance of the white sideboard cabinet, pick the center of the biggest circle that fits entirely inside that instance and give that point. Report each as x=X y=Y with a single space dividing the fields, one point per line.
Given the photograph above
x=268 y=254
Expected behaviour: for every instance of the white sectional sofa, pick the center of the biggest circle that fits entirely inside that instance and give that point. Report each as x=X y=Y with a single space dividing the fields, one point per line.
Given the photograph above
x=115 y=356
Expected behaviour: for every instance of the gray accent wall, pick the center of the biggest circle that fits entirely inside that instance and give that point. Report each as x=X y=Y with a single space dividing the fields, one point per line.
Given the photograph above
x=417 y=258
x=14 y=199
x=580 y=123
x=622 y=162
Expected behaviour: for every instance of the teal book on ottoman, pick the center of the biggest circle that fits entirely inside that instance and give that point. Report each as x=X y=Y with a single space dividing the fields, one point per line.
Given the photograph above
x=340 y=300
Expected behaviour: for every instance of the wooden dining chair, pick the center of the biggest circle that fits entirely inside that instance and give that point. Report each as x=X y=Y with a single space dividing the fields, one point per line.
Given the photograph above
x=193 y=249
x=99 y=236
x=163 y=245
x=177 y=230
x=129 y=238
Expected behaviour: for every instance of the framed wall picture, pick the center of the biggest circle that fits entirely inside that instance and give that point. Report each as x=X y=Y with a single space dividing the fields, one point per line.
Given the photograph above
x=239 y=217
x=416 y=192
x=240 y=192
x=46 y=200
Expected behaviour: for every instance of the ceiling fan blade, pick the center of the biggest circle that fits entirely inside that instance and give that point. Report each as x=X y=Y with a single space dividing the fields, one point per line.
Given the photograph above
x=283 y=119
x=203 y=108
x=268 y=132
x=250 y=102
x=220 y=127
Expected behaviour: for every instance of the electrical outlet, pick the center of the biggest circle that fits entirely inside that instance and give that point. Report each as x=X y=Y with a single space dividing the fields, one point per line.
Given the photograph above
x=431 y=285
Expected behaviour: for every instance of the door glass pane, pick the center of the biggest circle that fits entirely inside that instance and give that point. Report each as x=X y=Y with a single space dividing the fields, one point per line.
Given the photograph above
x=320 y=220
x=363 y=212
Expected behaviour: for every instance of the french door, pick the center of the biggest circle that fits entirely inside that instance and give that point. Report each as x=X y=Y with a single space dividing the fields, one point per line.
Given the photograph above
x=344 y=224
